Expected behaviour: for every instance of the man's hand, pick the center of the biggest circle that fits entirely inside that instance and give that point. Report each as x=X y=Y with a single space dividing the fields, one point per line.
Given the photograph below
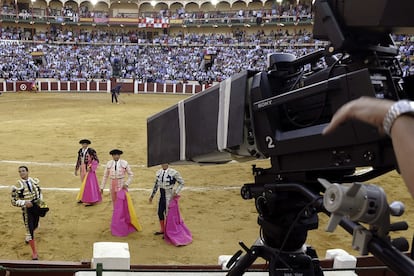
x=28 y=204
x=366 y=109
x=150 y=199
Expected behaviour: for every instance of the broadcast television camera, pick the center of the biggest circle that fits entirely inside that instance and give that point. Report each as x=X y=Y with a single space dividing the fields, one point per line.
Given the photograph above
x=280 y=114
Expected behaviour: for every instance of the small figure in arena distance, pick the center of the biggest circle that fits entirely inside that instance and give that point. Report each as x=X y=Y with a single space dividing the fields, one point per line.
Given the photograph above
x=115 y=91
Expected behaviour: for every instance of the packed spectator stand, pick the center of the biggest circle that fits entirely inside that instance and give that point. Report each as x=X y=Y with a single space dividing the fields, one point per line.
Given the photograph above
x=174 y=56
x=151 y=62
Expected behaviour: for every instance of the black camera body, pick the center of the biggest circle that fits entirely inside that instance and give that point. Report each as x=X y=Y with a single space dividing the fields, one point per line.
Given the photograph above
x=280 y=113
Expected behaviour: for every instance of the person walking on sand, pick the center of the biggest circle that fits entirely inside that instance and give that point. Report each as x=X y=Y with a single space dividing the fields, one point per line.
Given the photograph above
x=165 y=179
x=27 y=195
x=115 y=93
x=124 y=219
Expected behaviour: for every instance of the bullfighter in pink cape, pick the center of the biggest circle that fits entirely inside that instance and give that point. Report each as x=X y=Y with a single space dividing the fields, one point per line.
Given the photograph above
x=90 y=193
x=165 y=179
x=123 y=218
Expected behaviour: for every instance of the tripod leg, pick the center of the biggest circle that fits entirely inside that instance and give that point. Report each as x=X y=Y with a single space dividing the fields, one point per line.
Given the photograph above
x=242 y=264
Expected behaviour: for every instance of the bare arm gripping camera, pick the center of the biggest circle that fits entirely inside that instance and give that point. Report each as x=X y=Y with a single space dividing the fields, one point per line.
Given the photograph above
x=280 y=113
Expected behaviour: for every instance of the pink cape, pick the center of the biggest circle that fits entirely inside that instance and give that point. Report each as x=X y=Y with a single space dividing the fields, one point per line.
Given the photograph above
x=91 y=192
x=176 y=232
x=121 y=220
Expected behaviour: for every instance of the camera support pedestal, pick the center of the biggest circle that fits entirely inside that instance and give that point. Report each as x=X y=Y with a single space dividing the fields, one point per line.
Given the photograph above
x=302 y=262
x=282 y=238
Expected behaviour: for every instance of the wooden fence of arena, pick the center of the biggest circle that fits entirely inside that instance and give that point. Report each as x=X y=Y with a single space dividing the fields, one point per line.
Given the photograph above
x=131 y=86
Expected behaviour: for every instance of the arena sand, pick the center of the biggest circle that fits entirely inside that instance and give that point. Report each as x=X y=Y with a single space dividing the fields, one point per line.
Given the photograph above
x=42 y=131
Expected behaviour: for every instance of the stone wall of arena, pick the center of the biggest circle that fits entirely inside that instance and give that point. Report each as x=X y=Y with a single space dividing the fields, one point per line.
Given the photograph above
x=129 y=86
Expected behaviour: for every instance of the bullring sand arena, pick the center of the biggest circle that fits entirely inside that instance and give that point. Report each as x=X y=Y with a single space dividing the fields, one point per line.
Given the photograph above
x=42 y=131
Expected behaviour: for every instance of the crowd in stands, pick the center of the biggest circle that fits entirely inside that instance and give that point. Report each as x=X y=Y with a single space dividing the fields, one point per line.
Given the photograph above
x=296 y=10
x=175 y=58
x=179 y=58
x=58 y=34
